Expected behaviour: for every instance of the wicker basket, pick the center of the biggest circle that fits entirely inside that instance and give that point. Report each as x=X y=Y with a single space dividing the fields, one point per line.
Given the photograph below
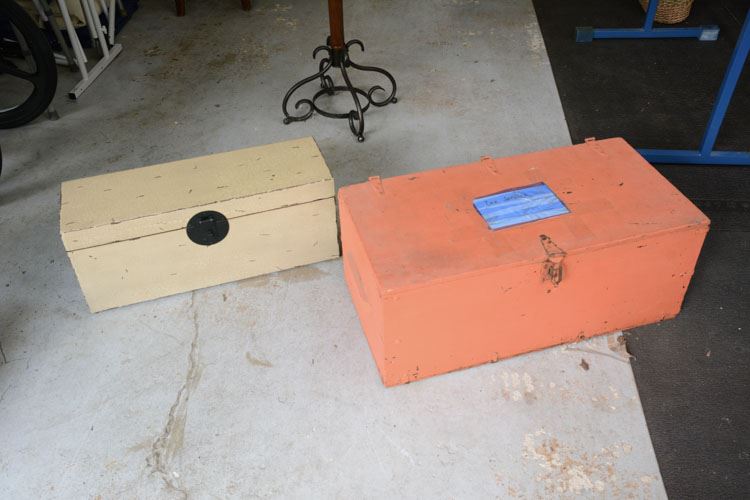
x=670 y=11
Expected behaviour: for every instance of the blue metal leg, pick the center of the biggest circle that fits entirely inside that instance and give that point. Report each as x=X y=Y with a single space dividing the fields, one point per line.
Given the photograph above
x=687 y=157
x=651 y=14
x=706 y=155
x=703 y=33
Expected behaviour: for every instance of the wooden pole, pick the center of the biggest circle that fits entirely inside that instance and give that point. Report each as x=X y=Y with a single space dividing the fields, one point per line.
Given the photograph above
x=336 y=19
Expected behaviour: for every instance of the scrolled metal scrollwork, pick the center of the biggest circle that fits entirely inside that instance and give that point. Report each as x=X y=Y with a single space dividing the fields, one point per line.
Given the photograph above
x=325 y=65
x=339 y=58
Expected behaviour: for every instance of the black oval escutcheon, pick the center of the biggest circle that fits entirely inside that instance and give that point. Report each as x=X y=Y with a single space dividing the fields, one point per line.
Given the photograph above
x=207 y=228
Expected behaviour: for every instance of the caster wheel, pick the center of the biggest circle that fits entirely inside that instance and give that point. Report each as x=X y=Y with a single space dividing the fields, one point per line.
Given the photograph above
x=360 y=138
x=394 y=100
x=287 y=121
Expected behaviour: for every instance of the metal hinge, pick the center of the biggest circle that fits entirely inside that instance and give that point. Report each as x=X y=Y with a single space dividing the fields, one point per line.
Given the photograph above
x=376 y=183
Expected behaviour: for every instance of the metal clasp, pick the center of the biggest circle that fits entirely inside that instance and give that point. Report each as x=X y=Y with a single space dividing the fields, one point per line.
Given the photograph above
x=552 y=269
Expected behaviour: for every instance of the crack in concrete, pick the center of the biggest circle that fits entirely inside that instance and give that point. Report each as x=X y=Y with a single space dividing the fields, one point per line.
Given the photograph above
x=2 y=353
x=170 y=441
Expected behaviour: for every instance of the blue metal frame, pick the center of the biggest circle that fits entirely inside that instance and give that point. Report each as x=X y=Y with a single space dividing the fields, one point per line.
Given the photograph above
x=706 y=154
x=703 y=33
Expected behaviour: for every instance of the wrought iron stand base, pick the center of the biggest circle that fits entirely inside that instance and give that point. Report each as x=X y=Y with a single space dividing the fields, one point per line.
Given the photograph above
x=339 y=58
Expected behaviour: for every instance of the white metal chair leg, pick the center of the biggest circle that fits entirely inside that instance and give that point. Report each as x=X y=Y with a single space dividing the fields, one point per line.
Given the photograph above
x=90 y=23
x=98 y=28
x=80 y=55
x=95 y=27
x=111 y=17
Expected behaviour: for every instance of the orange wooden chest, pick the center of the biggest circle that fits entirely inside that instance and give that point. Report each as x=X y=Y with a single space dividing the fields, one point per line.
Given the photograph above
x=437 y=290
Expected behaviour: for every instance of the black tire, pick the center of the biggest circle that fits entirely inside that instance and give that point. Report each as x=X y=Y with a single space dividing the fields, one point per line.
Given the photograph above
x=44 y=78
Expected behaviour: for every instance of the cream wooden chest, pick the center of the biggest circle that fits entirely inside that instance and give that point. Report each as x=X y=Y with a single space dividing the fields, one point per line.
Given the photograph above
x=154 y=231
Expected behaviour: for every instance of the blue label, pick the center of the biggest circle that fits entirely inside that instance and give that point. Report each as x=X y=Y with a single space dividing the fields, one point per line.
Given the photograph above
x=517 y=206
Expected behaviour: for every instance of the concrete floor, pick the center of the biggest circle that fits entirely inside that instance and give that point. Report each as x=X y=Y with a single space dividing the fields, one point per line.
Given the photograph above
x=266 y=387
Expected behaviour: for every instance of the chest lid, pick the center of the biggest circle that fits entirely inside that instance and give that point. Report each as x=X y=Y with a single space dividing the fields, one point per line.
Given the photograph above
x=427 y=227
x=151 y=200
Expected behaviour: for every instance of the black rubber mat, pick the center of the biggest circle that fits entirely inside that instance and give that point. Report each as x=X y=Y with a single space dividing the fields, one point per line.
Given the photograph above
x=693 y=372
x=693 y=378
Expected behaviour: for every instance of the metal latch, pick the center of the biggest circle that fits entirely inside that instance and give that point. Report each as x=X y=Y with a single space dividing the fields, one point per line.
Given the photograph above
x=552 y=269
